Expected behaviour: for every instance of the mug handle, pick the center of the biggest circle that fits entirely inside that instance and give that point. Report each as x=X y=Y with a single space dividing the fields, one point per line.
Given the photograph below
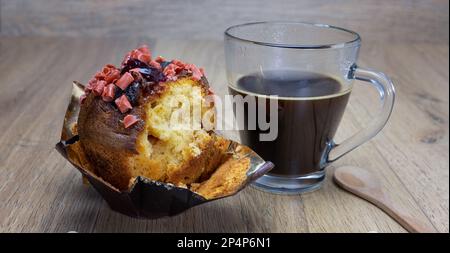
x=386 y=91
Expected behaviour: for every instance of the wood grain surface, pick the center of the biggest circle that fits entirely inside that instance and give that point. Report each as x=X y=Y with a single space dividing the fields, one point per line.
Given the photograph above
x=42 y=192
x=383 y=20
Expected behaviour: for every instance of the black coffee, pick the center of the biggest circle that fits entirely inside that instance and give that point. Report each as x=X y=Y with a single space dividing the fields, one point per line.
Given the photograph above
x=310 y=107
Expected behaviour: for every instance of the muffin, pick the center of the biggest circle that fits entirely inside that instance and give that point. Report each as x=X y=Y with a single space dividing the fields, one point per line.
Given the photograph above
x=151 y=118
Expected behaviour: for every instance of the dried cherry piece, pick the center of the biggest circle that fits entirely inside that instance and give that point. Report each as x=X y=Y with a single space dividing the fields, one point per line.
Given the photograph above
x=132 y=93
x=164 y=64
x=148 y=72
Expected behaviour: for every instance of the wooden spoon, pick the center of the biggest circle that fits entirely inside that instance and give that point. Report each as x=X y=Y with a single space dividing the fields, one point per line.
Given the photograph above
x=365 y=185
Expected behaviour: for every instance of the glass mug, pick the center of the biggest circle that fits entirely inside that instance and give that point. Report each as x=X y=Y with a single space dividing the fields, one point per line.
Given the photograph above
x=311 y=68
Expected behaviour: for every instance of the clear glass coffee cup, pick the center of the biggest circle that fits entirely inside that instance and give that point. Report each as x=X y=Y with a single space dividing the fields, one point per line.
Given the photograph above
x=308 y=71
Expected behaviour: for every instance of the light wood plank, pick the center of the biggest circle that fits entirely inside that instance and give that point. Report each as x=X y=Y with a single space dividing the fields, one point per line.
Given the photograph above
x=382 y=20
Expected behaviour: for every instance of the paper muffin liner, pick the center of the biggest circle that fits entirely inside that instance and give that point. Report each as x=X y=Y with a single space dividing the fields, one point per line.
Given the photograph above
x=147 y=198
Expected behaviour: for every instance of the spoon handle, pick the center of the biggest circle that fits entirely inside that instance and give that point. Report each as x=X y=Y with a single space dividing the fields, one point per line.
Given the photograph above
x=411 y=224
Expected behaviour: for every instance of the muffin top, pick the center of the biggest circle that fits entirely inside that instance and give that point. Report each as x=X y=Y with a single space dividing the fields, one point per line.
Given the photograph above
x=139 y=79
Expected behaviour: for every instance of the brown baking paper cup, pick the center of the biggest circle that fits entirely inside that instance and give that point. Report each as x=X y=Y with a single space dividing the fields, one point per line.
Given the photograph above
x=148 y=198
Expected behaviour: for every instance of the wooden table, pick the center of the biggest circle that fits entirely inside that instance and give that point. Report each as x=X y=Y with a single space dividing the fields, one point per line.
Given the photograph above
x=40 y=191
